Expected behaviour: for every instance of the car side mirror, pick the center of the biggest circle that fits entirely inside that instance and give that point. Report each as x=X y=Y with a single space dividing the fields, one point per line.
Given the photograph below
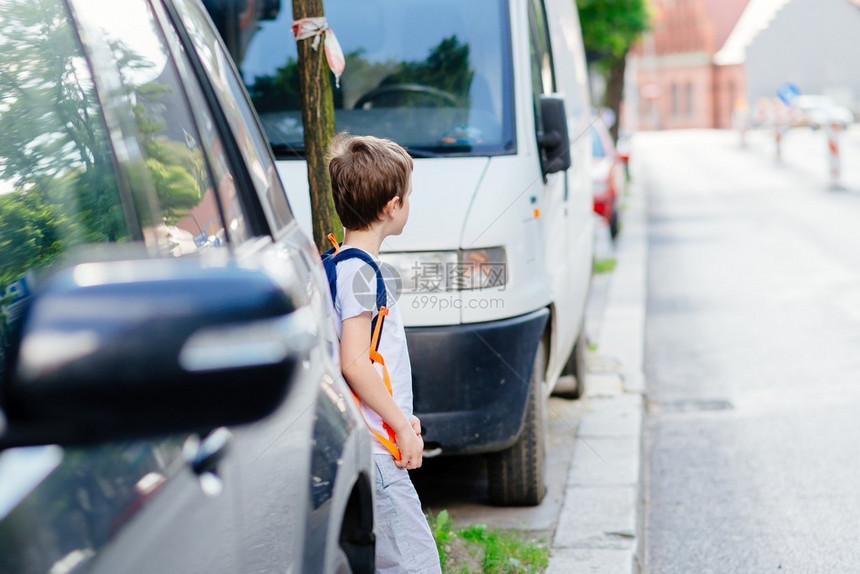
x=554 y=139
x=126 y=349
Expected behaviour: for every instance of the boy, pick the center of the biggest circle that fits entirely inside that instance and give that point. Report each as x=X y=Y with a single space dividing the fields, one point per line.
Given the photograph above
x=371 y=181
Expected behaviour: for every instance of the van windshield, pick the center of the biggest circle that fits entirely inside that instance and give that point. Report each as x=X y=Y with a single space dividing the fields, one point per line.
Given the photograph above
x=432 y=76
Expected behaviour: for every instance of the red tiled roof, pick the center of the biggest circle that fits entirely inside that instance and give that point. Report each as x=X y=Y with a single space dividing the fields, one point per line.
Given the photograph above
x=724 y=15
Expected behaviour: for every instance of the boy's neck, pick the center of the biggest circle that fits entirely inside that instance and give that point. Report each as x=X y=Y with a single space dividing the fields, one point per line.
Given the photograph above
x=368 y=239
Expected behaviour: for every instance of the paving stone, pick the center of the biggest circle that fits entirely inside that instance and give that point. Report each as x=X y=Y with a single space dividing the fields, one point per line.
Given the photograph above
x=584 y=561
x=602 y=385
x=605 y=462
x=597 y=517
x=621 y=417
x=600 y=363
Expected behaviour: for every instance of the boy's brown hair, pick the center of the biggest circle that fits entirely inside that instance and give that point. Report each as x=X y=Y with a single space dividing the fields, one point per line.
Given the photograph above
x=366 y=173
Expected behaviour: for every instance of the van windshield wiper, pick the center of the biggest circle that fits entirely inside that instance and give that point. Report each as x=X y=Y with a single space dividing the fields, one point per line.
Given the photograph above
x=288 y=150
x=417 y=152
x=295 y=150
x=438 y=151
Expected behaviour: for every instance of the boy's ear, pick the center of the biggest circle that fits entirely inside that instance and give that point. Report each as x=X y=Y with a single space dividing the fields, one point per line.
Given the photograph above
x=392 y=204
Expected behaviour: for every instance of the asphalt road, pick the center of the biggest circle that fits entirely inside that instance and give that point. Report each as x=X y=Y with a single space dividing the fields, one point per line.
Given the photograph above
x=752 y=355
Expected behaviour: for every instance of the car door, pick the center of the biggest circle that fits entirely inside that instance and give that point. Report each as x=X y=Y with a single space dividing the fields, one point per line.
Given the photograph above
x=100 y=147
x=554 y=212
x=272 y=457
x=298 y=467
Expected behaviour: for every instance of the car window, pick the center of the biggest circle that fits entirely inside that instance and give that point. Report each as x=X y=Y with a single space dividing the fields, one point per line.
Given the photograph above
x=541 y=45
x=61 y=192
x=235 y=212
x=543 y=78
x=239 y=114
x=58 y=187
x=189 y=204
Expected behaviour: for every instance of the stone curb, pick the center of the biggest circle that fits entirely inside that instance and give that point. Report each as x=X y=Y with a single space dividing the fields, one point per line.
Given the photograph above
x=597 y=531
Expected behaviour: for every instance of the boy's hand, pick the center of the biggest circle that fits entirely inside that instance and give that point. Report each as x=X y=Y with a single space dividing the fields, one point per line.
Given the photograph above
x=416 y=425
x=411 y=447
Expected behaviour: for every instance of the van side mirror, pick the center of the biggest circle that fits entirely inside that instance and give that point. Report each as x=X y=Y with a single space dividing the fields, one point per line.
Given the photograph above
x=554 y=139
x=126 y=349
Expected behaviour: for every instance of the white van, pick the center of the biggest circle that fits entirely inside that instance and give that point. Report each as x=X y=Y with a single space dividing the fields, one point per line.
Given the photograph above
x=490 y=98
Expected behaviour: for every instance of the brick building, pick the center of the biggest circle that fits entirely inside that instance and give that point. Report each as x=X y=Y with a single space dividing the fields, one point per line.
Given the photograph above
x=677 y=83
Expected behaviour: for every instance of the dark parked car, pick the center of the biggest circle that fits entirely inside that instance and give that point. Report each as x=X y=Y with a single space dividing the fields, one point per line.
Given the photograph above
x=170 y=395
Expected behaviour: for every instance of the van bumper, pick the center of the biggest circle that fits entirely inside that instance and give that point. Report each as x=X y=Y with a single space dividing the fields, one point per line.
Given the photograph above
x=470 y=382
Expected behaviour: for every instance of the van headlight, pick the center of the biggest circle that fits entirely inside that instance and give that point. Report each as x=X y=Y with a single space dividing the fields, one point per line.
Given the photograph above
x=462 y=270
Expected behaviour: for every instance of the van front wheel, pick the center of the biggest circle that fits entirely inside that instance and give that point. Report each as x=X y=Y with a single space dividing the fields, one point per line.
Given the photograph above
x=517 y=475
x=575 y=366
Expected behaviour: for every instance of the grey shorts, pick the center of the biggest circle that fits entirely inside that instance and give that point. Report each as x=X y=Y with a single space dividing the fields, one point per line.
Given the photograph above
x=404 y=542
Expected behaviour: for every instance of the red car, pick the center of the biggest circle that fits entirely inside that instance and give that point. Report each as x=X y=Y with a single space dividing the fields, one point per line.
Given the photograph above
x=607 y=173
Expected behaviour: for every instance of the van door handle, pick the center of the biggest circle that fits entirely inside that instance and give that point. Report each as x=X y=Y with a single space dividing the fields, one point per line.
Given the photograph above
x=206 y=454
x=204 y=457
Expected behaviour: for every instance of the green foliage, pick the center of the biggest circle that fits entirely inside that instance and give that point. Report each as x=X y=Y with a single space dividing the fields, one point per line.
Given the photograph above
x=446 y=68
x=604 y=265
x=442 y=533
x=29 y=234
x=479 y=549
x=55 y=162
x=177 y=190
x=279 y=91
x=507 y=552
x=53 y=155
x=610 y=27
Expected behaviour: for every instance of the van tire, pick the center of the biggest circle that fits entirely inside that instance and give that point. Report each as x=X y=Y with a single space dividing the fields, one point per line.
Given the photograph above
x=575 y=366
x=517 y=475
x=614 y=224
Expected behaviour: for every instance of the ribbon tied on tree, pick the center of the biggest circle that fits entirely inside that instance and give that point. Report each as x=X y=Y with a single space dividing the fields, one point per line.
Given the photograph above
x=305 y=28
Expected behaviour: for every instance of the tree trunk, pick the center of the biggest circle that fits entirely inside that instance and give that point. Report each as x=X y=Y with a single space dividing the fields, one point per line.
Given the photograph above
x=615 y=90
x=318 y=122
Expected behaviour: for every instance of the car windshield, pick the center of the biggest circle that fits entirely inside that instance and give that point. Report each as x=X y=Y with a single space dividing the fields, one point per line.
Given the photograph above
x=433 y=76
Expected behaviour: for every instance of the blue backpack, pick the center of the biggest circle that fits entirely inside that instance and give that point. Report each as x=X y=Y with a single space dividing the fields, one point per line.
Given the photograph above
x=334 y=256
x=330 y=260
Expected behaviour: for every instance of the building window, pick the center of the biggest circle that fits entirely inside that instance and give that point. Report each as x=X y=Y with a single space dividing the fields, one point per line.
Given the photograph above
x=676 y=110
x=690 y=109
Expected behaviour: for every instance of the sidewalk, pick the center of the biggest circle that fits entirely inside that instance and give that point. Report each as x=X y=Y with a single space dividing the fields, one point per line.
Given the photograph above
x=598 y=529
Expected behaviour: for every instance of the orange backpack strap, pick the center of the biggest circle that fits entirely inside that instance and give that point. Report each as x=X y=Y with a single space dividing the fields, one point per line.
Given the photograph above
x=376 y=357
x=334 y=242
x=388 y=442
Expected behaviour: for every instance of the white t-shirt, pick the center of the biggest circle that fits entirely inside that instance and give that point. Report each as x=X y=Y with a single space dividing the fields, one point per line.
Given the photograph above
x=356 y=294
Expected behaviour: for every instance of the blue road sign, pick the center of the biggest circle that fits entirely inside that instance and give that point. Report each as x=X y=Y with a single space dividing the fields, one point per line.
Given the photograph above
x=13 y=298
x=787 y=92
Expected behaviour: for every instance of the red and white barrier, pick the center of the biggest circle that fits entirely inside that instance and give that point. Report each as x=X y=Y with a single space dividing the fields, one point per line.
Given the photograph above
x=741 y=120
x=832 y=130
x=774 y=116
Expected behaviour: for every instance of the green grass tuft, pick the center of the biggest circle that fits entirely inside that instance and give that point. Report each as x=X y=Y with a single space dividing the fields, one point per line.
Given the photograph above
x=480 y=549
x=441 y=526
x=604 y=265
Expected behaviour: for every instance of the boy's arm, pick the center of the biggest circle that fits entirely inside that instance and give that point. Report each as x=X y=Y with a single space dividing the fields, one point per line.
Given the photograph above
x=365 y=382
